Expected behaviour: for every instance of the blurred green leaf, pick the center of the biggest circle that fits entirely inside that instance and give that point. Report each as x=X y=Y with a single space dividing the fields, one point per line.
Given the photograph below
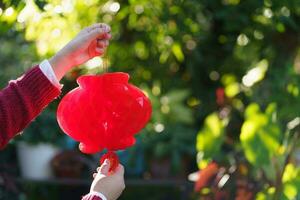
x=211 y=136
x=176 y=49
x=291 y=182
x=260 y=135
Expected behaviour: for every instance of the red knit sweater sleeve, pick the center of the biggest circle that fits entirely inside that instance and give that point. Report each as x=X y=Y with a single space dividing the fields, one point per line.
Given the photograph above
x=91 y=197
x=22 y=100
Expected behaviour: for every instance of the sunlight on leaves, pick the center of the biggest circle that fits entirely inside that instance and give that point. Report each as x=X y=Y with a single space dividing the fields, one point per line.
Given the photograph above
x=177 y=51
x=232 y=87
x=9 y=15
x=256 y=74
x=210 y=137
x=260 y=135
x=56 y=25
x=291 y=181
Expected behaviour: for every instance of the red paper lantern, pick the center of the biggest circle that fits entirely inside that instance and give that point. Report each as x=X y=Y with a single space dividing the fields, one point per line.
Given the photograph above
x=104 y=112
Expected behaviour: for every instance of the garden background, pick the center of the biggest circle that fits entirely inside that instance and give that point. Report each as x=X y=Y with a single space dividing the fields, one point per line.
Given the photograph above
x=223 y=77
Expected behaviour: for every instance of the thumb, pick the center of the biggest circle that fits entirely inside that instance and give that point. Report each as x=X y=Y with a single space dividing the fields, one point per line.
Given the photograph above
x=104 y=169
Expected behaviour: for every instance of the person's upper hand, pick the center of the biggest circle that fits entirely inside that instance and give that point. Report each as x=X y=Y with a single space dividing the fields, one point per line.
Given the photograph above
x=111 y=185
x=90 y=42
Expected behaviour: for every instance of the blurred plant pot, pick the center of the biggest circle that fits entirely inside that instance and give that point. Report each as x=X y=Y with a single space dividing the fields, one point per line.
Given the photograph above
x=160 y=168
x=165 y=168
x=34 y=160
x=68 y=164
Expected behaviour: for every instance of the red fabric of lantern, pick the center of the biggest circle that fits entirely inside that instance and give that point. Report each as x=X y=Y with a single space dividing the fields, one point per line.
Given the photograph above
x=104 y=112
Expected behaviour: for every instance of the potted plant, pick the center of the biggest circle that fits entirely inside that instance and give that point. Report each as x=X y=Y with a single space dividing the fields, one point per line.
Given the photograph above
x=169 y=138
x=37 y=145
x=171 y=151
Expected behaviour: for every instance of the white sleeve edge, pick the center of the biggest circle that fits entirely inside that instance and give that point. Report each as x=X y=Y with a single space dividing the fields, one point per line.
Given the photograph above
x=49 y=73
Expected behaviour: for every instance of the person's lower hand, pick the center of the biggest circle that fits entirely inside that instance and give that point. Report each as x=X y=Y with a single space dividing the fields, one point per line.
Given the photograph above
x=111 y=185
x=90 y=42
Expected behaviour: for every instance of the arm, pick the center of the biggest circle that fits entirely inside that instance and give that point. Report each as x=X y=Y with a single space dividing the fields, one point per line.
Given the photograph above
x=23 y=99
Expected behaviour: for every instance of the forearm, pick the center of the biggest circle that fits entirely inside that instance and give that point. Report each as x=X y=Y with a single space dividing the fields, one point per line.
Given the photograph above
x=60 y=65
x=22 y=100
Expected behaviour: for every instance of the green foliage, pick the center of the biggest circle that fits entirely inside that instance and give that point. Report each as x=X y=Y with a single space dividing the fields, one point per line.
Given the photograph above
x=291 y=185
x=174 y=143
x=43 y=129
x=181 y=53
x=260 y=133
x=210 y=139
x=257 y=48
x=291 y=182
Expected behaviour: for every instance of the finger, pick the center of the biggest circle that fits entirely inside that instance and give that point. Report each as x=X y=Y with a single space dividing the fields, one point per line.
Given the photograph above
x=104 y=36
x=107 y=36
x=94 y=175
x=102 y=43
x=120 y=170
x=98 y=168
x=99 y=51
x=106 y=28
x=95 y=33
x=94 y=50
x=89 y=28
x=104 y=169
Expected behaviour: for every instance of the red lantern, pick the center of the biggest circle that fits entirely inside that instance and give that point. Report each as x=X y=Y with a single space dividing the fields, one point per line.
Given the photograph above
x=104 y=112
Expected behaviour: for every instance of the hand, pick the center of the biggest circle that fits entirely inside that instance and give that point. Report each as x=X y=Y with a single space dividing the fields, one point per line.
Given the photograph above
x=90 y=42
x=110 y=185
